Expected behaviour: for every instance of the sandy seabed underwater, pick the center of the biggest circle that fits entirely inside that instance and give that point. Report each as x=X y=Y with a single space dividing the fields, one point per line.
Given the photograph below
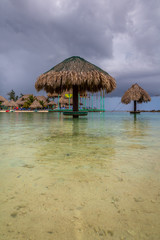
x=96 y=177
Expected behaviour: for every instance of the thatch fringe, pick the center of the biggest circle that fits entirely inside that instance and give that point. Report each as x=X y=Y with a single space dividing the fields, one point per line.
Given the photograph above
x=51 y=103
x=65 y=101
x=20 y=102
x=35 y=104
x=10 y=104
x=2 y=99
x=26 y=96
x=41 y=98
x=52 y=95
x=135 y=93
x=90 y=81
x=75 y=71
x=5 y=103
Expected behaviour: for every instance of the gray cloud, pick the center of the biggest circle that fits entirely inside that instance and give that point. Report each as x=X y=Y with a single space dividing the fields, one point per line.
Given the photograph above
x=122 y=37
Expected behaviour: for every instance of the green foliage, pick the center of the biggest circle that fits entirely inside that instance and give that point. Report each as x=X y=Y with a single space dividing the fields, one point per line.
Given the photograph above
x=12 y=95
x=42 y=103
x=26 y=105
x=31 y=98
x=21 y=95
x=29 y=101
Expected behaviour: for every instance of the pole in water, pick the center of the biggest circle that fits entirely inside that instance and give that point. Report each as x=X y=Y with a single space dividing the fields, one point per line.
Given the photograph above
x=103 y=100
x=75 y=100
x=135 y=106
x=58 y=101
x=92 y=100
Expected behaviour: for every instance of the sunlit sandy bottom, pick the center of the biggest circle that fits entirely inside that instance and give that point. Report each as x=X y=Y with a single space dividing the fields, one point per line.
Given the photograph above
x=79 y=180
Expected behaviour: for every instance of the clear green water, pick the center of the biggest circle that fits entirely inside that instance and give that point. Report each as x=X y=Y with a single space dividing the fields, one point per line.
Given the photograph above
x=89 y=178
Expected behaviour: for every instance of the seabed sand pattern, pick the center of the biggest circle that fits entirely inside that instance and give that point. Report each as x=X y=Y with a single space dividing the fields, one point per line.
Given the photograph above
x=65 y=180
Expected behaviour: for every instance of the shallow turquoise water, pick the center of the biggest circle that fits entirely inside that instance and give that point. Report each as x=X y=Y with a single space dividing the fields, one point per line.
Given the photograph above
x=96 y=177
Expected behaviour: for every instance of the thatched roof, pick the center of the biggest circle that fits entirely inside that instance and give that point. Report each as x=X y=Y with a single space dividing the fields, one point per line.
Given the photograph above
x=65 y=101
x=51 y=103
x=41 y=98
x=75 y=71
x=53 y=95
x=20 y=102
x=35 y=104
x=24 y=97
x=135 y=93
x=5 y=103
x=10 y=104
x=2 y=99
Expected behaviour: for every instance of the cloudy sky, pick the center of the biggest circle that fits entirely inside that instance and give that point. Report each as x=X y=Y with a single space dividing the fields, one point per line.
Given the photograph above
x=120 y=36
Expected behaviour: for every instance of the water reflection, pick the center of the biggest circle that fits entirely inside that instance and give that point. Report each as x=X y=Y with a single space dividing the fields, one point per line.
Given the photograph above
x=136 y=126
x=82 y=178
x=76 y=142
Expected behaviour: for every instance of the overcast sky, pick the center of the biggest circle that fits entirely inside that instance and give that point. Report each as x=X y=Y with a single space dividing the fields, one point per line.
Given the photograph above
x=120 y=36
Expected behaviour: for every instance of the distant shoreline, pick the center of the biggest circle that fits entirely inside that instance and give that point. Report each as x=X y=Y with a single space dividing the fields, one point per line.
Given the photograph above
x=46 y=111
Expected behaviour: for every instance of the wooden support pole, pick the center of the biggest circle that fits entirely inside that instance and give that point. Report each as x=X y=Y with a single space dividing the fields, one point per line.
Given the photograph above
x=135 y=106
x=75 y=100
x=58 y=101
x=103 y=100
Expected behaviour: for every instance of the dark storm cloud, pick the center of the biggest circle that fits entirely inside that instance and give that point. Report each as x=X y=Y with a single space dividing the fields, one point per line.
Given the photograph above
x=120 y=36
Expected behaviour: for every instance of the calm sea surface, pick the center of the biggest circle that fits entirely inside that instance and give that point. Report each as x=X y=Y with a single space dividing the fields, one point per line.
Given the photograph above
x=96 y=177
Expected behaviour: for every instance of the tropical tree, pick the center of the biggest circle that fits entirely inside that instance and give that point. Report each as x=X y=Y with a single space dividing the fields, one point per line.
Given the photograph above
x=21 y=95
x=12 y=95
x=29 y=101
x=42 y=103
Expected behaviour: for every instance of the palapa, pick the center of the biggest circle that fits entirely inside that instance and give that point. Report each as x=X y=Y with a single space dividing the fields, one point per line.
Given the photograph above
x=136 y=94
x=35 y=105
x=75 y=71
x=13 y=104
x=10 y=104
x=65 y=101
x=77 y=74
x=26 y=96
x=20 y=102
x=5 y=103
x=2 y=99
x=41 y=98
x=51 y=103
x=53 y=95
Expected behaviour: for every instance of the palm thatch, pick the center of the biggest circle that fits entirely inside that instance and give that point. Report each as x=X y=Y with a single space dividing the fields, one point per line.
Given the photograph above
x=75 y=71
x=26 y=96
x=41 y=98
x=20 y=102
x=135 y=93
x=77 y=74
x=13 y=104
x=10 y=104
x=2 y=99
x=65 y=101
x=35 y=105
x=51 y=103
x=5 y=103
x=53 y=95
